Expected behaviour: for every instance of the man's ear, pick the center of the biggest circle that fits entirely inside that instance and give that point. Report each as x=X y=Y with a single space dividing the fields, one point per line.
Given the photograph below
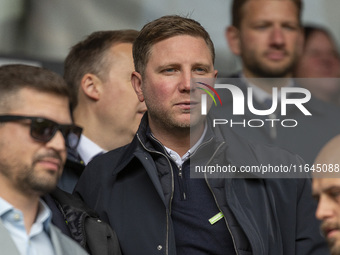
x=91 y=86
x=215 y=73
x=232 y=35
x=136 y=80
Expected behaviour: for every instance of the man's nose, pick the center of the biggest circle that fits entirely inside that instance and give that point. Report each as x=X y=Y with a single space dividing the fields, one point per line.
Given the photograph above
x=277 y=36
x=185 y=80
x=57 y=142
x=325 y=208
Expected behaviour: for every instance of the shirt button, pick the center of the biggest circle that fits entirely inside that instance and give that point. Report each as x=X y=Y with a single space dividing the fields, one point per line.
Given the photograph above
x=159 y=247
x=16 y=216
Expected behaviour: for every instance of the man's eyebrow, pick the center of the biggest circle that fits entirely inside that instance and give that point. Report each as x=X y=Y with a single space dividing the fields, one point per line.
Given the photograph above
x=331 y=188
x=168 y=65
x=201 y=64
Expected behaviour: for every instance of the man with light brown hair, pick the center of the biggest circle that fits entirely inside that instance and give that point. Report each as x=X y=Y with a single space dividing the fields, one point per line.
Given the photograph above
x=146 y=189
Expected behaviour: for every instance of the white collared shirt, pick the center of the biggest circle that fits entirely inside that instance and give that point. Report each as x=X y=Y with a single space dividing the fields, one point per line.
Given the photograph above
x=38 y=241
x=180 y=160
x=87 y=149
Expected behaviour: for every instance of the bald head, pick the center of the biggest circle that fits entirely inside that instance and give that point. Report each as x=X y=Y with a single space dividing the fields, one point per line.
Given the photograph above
x=328 y=160
x=330 y=153
x=326 y=190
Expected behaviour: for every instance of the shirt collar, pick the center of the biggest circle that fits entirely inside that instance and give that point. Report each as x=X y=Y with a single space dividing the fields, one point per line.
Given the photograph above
x=87 y=149
x=4 y=207
x=44 y=213
x=175 y=156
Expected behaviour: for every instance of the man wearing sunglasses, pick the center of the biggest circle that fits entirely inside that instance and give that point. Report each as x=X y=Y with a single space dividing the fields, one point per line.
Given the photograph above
x=35 y=130
x=35 y=126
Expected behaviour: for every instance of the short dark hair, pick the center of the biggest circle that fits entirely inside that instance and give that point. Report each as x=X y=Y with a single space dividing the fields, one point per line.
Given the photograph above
x=164 y=28
x=15 y=77
x=89 y=56
x=237 y=14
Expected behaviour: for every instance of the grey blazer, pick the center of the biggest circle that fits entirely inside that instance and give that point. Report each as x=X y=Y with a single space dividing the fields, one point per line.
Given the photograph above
x=63 y=245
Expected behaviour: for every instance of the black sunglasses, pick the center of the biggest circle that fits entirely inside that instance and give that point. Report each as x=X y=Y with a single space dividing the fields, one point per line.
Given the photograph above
x=43 y=129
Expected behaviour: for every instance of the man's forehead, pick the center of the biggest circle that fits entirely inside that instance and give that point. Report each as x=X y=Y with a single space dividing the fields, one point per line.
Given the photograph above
x=174 y=43
x=43 y=104
x=324 y=184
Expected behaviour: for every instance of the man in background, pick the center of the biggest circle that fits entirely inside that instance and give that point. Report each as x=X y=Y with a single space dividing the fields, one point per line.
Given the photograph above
x=98 y=72
x=267 y=35
x=320 y=63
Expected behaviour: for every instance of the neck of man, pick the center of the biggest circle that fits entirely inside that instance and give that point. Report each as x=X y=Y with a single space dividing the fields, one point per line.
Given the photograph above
x=26 y=202
x=178 y=139
x=105 y=139
x=265 y=83
x=99 y=132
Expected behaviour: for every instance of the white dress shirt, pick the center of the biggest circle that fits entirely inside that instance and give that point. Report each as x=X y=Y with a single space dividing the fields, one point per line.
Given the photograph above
x=87 y=149
x=180 y=160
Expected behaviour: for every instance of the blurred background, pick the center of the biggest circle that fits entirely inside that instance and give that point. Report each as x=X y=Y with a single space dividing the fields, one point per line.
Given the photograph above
x=42 y=31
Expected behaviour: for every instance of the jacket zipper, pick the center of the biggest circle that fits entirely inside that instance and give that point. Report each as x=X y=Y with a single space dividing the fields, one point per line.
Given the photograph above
x=225 y=220
x=206 y=180
x=172 y=187
x=172 y=191
x=182 y=184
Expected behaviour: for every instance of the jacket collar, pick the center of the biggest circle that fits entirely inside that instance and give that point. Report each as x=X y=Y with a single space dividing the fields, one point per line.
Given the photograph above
x=143 y=141
x=135 y=148
x=237 y=150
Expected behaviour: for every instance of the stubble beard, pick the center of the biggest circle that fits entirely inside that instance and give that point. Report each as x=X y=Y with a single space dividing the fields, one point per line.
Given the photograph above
x=263 y=70
x=169 y=121
x=26 y=178
x=39 y=185
x=333 y=246
x=333 y=243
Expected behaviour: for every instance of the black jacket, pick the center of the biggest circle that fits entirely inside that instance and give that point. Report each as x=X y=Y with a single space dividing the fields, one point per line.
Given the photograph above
x=82 y=224
x=265 y=216
x=73 y=168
